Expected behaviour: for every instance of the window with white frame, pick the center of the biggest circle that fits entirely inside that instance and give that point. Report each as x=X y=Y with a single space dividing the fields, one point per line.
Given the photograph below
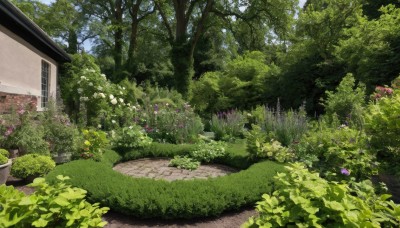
x=45 y=83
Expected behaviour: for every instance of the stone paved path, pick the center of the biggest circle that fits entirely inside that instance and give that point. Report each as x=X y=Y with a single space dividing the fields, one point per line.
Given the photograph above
x=157 y=168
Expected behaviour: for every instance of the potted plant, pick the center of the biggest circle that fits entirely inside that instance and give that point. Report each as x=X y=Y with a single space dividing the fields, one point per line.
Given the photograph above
x=5 y=165
x=30 y=166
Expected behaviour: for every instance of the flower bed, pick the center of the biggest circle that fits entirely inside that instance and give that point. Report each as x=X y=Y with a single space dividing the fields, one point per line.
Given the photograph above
x=146 y=198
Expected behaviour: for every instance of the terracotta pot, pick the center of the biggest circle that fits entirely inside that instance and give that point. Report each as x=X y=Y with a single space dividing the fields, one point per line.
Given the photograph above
x=5 y=171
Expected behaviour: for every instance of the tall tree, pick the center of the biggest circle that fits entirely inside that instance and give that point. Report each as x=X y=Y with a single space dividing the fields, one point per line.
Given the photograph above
x=138 y=11
x=190 y=19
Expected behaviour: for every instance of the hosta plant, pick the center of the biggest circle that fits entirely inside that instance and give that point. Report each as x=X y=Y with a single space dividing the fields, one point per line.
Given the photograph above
x=58 y=205
x=259 y=146
x=184 y=163
x=206 y=152
x=303 y=199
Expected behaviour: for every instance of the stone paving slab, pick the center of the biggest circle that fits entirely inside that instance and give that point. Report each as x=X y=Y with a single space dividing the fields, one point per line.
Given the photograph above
x=157 y=168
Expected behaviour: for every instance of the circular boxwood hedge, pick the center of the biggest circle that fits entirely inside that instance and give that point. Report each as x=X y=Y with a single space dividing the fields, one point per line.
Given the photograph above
x=148 y=198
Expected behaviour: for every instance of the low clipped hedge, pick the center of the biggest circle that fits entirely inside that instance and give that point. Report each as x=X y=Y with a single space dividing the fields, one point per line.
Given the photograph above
x=147 y=198
x=236 y=154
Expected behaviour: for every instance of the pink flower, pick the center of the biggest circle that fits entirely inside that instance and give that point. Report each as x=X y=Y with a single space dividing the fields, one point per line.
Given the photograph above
x=9 y=131
x=21 y=111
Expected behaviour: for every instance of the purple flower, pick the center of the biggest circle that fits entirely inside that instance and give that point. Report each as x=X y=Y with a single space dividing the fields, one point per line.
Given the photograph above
x=156 y=107
x=344 y=171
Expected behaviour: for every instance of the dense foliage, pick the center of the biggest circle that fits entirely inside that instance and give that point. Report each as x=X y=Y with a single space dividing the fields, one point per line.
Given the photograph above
x=147 y=198
x=184 y=163
x=303 y=199
x=32 y=165
x=58 y=205
x=3 y=159
x=383 y=126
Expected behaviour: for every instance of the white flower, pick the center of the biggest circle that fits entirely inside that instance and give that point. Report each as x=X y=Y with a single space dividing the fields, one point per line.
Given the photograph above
x=111 y=96
x=103 y=75
x=113 y=121
x=83 y=98
x=95 y=95
x=80 y=90
x=92 y=71
x=83 y=77
x=90 y=84
x=99 y=126
x=100 y=88
x=102 y=95
x=134 y=107
x=167 y=104
x=114 y=101
x=130 y=127
x=155 y=112
x=123 y=88
x=120 y=92
x=121 y=100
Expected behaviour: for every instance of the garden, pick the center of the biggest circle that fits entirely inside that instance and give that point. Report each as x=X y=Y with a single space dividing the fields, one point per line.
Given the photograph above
x=250 y=131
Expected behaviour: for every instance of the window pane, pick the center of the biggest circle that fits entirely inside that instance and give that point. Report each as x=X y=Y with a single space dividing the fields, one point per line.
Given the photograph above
x=45 y=83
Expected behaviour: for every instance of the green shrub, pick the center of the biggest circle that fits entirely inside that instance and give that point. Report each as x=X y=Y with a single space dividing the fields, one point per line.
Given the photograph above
x=147 y=198
x=286 y=127
x=49 y=206
x=167 y=124
x=228 y=125
x=207 y=152
x=93 y=144
x=274 y=150
x=258 y=147
x=130 y=137
x=4 y=152
x=184 y=163
x=330 y=149
x=383 y=126
x=254 y=139
x=347 y=102
x=303 y=199
x=159 y=150
x=32 y=165
x=62 y=136
x=3 y=159
x=29 y=138
x=235 y=156
x=110 y=157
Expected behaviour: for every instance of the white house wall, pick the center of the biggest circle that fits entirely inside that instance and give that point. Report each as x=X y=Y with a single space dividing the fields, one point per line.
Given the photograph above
x=20 y=67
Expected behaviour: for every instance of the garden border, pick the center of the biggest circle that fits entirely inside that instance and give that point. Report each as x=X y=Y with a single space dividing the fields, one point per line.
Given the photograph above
x=148 y=198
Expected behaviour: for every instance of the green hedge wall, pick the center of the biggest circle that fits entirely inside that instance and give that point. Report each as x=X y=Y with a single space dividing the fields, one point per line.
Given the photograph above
x=147 y=198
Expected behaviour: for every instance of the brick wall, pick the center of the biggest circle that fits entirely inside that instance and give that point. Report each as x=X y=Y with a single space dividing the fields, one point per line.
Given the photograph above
x=9 y=101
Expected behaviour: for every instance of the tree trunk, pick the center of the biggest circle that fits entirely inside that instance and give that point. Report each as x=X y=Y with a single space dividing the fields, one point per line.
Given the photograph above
x=118 y=38
x=72 y=42
x=182 y=60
